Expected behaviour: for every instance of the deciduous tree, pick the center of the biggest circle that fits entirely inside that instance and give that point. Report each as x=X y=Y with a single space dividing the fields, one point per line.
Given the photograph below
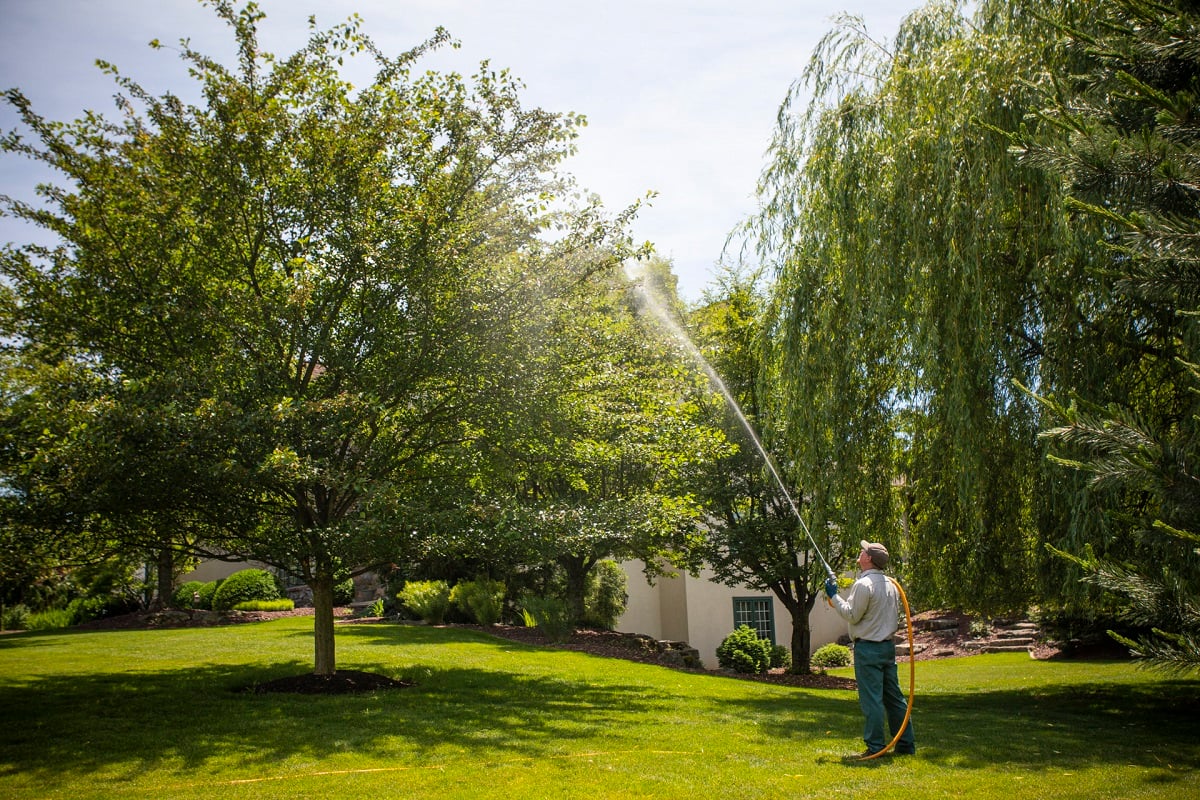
x=291 y=295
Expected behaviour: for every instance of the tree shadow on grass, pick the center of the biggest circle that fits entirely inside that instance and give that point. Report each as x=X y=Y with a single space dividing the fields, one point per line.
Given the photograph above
x=1074 y=726
x=60 y=728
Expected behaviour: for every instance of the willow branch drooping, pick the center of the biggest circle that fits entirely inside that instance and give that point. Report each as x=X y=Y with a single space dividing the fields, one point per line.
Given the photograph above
x=916 y=263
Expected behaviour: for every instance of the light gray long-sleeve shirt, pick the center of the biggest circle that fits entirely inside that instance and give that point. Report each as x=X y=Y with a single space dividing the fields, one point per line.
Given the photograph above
x=871 y=607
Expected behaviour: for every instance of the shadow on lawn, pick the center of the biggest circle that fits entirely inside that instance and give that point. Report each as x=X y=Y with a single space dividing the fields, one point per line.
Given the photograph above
x=63 y=727
x=1072 y=726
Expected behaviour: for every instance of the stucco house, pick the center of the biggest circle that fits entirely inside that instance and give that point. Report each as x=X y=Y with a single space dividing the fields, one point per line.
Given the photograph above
x=702 y=613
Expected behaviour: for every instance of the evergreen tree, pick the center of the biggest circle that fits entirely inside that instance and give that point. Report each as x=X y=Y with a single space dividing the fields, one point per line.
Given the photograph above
x=1130 y=117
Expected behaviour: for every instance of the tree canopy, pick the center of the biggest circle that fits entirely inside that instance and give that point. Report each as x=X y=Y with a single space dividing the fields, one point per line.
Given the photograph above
x=992 y=209
x=284 y=305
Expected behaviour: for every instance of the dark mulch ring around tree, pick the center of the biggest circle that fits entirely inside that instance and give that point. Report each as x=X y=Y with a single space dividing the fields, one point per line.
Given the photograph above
x=342 y=681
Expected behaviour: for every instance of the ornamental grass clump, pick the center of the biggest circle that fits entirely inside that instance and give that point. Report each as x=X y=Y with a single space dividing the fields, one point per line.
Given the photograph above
x=482 y=600
x=549 y=615
x=429 y=600
x=266 y=605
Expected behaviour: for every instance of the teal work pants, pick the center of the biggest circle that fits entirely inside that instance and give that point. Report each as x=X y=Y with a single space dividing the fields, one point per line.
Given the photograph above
x=879 y=695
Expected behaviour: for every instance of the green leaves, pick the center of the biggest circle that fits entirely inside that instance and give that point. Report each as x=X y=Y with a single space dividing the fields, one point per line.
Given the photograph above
x=289 y=305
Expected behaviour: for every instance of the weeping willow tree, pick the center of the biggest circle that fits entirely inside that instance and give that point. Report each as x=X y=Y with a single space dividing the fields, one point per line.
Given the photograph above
x=922 y=273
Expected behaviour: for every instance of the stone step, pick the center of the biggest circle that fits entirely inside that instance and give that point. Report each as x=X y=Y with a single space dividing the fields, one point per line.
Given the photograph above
x=1024 y=641
x=938 y=625
x=1002 y=646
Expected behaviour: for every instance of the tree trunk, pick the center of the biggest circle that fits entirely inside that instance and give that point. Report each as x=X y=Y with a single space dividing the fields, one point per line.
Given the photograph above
x=166 y=579
x=322 y=594
x=801 y=642
x=799 y=604
x=576 y=574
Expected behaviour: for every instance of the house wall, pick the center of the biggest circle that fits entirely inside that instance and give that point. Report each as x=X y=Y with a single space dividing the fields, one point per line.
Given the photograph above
x=699 y=611
x=211 y=569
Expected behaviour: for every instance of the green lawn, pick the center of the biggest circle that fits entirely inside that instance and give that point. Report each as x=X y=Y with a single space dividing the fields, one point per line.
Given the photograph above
x=156 y=714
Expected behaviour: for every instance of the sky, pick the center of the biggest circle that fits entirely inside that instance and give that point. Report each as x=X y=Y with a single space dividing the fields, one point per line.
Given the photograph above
x=680 y=95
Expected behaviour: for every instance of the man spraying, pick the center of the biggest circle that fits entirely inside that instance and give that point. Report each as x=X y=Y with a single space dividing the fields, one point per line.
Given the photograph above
x=872 y=610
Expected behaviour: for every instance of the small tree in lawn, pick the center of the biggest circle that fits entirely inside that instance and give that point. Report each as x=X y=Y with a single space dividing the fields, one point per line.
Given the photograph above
x=753 y=536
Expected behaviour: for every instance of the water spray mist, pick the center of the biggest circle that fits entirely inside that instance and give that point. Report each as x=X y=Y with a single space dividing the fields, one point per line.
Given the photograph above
x=662 y=314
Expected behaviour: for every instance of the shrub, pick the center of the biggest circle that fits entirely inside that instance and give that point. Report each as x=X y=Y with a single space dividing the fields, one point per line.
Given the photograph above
x=244 y=586
x=343 y=593
x=549 y=615
x=14 y=617
x=831 y=655
x=781 y=656
x=607 y=596
x=429 y=600
x=482 y=600
x=206 y=593
x=48 y=620
x=744 y=651
x=265 y=605
x=85 y=609
x=184 y=595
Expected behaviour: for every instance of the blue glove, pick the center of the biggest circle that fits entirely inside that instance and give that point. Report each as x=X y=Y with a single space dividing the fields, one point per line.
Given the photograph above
x=830 y=588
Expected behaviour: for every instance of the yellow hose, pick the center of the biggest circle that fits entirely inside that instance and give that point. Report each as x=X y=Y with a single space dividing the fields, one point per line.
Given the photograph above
x=912 y=674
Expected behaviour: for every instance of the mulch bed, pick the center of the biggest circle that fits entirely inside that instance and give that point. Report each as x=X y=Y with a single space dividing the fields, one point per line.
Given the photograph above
x=619 y=645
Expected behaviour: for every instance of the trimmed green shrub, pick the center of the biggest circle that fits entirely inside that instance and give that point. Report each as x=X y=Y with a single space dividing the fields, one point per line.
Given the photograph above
x=781 y=656
x=607 y=596
x=831 y=655
x=429 y=600
x=549 y=615
x=244 y=586
x=85 y=609
x=265 y=605
x=482 y=600
x=743 y=651
x=206 y=593
x=184 y=595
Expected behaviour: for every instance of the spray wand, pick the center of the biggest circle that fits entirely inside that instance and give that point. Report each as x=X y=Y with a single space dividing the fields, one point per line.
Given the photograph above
x=791 y=503
x=655 y=304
